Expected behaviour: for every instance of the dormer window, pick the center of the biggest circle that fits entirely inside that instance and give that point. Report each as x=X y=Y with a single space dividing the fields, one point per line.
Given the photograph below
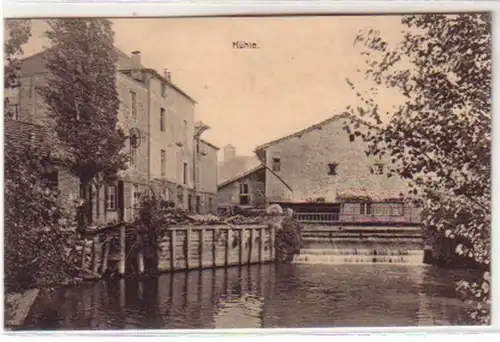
x=332 y=169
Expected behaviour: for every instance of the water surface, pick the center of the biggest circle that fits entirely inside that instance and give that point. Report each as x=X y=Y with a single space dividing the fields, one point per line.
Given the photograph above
x=261 y=296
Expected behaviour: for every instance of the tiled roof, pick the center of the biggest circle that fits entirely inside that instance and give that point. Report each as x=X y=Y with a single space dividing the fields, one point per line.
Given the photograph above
x=34 y=64
x=18 y=132
x=310 y=128
x=242 y=175
x=156 y=74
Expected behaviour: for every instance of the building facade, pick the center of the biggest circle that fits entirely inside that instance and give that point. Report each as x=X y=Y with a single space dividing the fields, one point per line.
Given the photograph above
x=205 y=196
x=324 y=169
x=159 y=116
x=247 y=189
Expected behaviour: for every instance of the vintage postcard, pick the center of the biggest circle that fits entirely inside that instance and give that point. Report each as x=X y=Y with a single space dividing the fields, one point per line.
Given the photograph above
x=306 y=171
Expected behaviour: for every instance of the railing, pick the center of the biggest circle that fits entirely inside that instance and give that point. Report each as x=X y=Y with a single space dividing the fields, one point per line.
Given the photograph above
x=330 y=218
x=317 y=217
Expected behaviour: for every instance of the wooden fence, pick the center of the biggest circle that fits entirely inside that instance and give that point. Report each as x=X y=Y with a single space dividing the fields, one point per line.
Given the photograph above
x=216 y=246
x=183 y=248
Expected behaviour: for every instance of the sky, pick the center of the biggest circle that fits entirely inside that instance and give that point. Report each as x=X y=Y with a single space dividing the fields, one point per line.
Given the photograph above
x=294 y=79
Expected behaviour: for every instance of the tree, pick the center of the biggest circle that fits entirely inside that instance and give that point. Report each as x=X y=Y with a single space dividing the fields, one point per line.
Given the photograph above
x=83 y=102
x=18 y=34
x=439 y=137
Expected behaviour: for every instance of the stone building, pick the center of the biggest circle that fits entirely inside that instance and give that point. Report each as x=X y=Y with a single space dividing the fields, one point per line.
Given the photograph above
x=246 y=189
x=324 y=169
x=206 y=200
x=160 y=116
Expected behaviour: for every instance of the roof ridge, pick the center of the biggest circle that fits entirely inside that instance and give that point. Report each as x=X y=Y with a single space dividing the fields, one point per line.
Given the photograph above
x=311 y=127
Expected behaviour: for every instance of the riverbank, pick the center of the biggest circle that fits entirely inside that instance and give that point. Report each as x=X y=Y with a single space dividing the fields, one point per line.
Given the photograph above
x=17 y=307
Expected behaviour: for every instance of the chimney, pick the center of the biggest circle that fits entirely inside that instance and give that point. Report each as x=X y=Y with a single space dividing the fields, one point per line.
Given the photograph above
x=167 y=74
x=229 y=152
x=136 y=59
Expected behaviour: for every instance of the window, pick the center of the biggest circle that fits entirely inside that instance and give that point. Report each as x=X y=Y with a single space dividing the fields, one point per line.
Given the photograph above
x=378 y=168
x=133 y=156
x=210 y=208
x=332 y=169
x=163 y=162
x=198 y=204
x=190 y=203
x=136 y=194
x=366 y=209
x=197 y=174
x=244 y=194
x=163 y=90
x=133 y=104
x=185 y=173
x=276 y=164
x=162 y=119
x=351 y=137
x=111 y=197
x=13 y=111
x=185 y=132
x=166 y=194
x=261 y=176
x=97 y=202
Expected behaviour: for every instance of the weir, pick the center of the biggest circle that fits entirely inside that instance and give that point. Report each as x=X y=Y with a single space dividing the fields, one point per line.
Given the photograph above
x=361 y=245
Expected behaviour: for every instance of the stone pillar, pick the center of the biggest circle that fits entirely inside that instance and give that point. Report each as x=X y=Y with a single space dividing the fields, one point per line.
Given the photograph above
x=123 y=250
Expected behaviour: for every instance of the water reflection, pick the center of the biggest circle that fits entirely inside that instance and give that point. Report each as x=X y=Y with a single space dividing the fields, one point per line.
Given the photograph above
x=260 y=296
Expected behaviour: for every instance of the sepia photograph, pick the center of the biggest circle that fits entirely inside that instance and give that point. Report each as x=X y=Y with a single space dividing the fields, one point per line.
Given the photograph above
x=247 y=171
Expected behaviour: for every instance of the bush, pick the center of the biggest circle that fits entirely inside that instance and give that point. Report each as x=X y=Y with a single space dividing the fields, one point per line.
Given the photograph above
x=288 y=240
x=39 y=226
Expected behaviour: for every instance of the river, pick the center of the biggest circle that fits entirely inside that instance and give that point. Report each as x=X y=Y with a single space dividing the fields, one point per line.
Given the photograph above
x=260 y=296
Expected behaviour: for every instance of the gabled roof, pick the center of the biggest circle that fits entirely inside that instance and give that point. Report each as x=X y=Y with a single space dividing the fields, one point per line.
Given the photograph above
x=311 y=128
x=209 y=144
x=156 y=74
x=242 y=175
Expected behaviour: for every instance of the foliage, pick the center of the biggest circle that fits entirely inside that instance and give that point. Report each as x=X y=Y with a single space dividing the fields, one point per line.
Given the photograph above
x=18 y=33
x=83 y=102
x=155 y=215
x=439 y=138
x=39 y=227
x=288 y=240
